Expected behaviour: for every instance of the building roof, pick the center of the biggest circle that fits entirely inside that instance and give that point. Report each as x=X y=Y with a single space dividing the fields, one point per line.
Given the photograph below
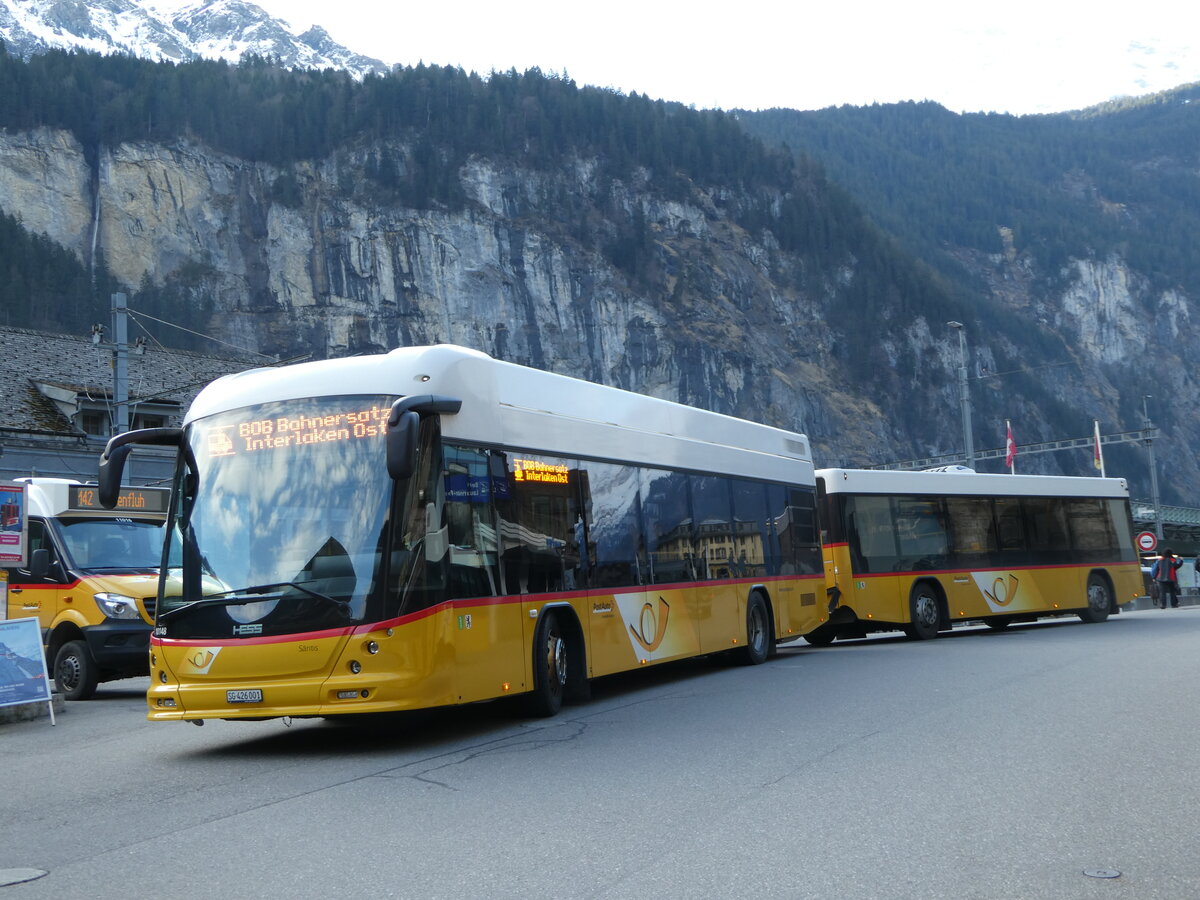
x=37 y=366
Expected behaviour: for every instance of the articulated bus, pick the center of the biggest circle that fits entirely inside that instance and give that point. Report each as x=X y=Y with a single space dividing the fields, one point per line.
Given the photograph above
x=920 y=551
x=431 y=527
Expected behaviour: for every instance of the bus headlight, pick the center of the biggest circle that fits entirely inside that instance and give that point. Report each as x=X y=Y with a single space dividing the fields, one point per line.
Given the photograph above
x=118 y=606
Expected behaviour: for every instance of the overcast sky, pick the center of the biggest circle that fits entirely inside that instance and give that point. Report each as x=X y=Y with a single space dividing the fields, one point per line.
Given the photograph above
x=1019 y=56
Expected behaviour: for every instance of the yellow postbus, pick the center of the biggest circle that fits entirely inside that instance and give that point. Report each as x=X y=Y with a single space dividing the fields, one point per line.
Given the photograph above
x=432 y=527
x=92 y=579
x=921 y=551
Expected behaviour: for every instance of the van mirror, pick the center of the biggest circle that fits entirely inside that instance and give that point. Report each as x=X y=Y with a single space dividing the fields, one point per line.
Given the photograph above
x=39 y=563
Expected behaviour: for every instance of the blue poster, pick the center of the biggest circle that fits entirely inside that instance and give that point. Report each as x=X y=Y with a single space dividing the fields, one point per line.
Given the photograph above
x=23 y=676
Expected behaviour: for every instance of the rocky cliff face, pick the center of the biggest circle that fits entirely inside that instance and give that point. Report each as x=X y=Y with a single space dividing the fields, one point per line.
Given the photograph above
x=723 y=319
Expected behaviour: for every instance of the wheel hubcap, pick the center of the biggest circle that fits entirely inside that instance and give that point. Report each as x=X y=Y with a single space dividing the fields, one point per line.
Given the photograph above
x=557 y=660
x=1097 y=598
x=69 y=672
x=926 y=611
x=758 y=630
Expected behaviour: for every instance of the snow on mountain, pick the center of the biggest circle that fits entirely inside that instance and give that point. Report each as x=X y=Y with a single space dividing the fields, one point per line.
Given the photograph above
x=172 y=30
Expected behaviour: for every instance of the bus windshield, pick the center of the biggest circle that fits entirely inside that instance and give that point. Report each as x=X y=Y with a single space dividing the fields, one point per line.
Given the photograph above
x=286 y=526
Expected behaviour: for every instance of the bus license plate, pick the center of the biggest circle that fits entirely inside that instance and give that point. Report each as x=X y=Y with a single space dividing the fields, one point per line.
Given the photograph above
x=246 y=696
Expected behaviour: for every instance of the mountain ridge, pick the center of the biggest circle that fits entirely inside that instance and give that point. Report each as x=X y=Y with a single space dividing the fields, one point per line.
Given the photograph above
x=162 y=31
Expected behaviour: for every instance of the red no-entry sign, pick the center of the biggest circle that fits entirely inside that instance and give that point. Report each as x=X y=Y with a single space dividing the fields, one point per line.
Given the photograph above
x=1146 y=541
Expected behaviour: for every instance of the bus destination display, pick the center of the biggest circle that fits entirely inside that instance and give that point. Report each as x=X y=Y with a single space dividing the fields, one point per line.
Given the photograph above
x=534 y=470
x=296 y=431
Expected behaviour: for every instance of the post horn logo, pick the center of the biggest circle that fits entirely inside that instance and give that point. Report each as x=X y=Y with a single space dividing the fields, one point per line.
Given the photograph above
x=202 y=659
x=1003 y=594
x=651 y=628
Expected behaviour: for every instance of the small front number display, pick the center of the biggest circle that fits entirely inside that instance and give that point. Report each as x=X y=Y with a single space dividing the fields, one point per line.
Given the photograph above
x=249 y=696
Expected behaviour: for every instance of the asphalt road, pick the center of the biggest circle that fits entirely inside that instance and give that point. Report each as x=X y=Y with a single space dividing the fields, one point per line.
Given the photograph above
x=981 y=764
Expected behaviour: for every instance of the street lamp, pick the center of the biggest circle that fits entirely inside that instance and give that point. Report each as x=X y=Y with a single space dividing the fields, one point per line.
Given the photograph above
x=1146 y=426
x=964 y=395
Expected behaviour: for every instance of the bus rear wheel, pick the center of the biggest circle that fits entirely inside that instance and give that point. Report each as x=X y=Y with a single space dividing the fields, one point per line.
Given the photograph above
x=75 y=672
x=758 y=632
x=550 y=668
x=1099 y=600
x=923 y=613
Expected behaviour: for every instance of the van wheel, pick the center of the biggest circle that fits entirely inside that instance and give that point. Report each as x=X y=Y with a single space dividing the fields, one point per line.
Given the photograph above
x=550 y=668
x=75 y=672
x=1098 y=598
x=923 y=613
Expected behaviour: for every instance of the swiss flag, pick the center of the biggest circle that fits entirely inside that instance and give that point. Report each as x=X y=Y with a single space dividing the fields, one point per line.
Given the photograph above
x=1011 y=446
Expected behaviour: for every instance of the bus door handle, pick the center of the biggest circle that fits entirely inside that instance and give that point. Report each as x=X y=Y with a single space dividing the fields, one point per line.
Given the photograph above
x=13 y=589
x=962 y=579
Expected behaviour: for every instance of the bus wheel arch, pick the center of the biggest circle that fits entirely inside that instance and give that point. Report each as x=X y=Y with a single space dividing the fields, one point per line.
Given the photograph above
x=760 y=630
x=1099 y=597
x=559 y=663
x=926 y=610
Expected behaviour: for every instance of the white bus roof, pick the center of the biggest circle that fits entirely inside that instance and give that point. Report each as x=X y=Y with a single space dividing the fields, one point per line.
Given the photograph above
x=890 y=481
x=523 y=408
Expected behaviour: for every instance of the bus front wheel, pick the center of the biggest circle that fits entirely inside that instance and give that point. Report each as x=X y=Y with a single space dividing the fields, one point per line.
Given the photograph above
x=924 y=613
x=550 y=668
x=1099 y=600
x=75 y=672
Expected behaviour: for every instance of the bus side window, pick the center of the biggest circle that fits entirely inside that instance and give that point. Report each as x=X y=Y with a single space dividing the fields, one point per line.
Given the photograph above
x=539 y=550
x=1092 y=536
x=921 y=532
x=470 y=525
x=872 y=538
x=614 y=528
x=666 y=527
x=1046 y=528
x=713 y=543
x=972 y=528
x=1010 y=531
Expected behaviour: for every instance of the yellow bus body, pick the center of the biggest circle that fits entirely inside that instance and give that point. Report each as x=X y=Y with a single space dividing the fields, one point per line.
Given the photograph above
x=461 y=651
x=972 y=594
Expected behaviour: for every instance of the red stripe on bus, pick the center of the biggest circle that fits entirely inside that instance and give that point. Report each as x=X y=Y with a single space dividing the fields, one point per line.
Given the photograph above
x=988 y=569
x=461 y=603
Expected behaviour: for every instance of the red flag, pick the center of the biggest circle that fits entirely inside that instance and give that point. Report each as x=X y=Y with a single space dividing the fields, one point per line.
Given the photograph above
x=1011 y=447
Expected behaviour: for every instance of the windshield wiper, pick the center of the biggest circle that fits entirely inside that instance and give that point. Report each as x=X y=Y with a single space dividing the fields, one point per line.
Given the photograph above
x=258 y=594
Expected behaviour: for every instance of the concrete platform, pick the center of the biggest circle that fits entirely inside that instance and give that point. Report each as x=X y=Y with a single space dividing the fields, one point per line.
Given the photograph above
x=27 y=712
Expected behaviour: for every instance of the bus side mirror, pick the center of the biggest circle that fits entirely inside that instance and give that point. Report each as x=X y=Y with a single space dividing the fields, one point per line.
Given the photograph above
x=402 y=445
x=112 y=460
